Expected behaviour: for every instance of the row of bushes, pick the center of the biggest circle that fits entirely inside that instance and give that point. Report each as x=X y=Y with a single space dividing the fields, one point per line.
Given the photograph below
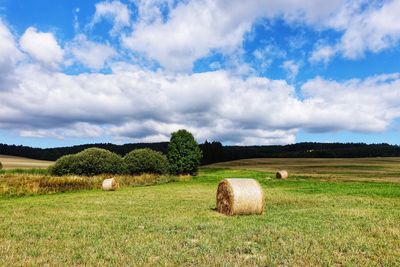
x=183 y=157
x=94 y=161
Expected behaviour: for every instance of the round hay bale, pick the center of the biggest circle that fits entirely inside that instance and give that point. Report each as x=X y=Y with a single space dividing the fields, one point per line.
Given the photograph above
x=282 y=174
x=237 y=196
x=110 y=184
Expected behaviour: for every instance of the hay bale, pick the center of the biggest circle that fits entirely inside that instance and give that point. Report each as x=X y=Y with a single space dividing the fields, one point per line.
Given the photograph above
x=282 y=174
x=237 y=196
x=110 y=184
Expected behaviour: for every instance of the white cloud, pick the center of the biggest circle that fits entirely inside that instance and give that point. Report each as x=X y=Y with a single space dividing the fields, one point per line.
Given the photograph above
x=291 y=68
x=42 y=46
x=132 y=104
x=115 y=11
x=323 y=53
x=366 y=26
x=75 y=130
x=195 y=28
x=91 y=54
x=373 y=31
x=146 y=105
x=368 y=105
x=9 y=56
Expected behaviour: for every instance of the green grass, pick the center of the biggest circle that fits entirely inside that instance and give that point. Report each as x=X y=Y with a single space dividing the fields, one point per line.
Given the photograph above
x=342 y=169
x=306 y=222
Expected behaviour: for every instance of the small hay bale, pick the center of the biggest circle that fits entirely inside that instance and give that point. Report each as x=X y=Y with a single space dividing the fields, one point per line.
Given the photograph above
x=236 y=196
x=282 y=174
x=110 y=184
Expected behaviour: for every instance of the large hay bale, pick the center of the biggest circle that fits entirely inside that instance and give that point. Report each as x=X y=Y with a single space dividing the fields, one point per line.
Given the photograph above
x=110 y=184
x=237 y=196
x=282 y=174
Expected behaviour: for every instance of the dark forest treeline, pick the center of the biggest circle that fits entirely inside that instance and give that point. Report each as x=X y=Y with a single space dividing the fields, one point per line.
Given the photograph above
x=215 y=152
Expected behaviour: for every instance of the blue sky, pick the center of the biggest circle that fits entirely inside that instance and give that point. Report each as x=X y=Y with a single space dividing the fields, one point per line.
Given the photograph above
x=268 y=72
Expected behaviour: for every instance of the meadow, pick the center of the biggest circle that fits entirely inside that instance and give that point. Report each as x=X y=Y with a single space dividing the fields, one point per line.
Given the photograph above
x=349 y=215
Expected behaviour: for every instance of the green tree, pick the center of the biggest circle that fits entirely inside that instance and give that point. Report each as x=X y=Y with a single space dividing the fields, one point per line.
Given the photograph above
x=184 y=154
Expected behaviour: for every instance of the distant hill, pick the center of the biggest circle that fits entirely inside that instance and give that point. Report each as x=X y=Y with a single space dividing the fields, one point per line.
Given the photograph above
x=215 y=152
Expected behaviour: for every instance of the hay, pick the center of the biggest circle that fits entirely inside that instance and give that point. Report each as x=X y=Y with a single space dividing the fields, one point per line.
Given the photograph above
x=110 y=184
x=282 y=174
x=237 y=196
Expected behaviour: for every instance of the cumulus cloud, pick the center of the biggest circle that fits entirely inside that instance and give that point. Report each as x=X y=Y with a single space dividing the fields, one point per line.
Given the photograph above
x=138 y=105
x=291 y=68
x=323 y=53
x=372 y=30
x=195 y=28
x=365 y=26
x=42 y=47
x=9 y=56
x=134 y=104
x=176 y=34
x=190 y=30
x=114 y=11
x=91 y=54
x=75 y=130
x=368 y=105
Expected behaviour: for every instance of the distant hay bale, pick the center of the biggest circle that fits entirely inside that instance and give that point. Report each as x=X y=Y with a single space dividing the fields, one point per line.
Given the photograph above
x=282 y=174
x=236 y=196
x=110 y=184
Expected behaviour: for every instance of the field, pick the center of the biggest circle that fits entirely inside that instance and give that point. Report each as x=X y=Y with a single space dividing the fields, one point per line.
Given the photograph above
x=344 y=216
x=336 y=169
x=12 y=162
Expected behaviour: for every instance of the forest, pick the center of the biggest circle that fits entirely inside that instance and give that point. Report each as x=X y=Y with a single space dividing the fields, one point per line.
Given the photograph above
x=216 y=152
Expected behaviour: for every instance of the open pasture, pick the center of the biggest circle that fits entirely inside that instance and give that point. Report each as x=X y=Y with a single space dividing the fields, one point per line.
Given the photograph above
x=305 y=222
x=13 y=162
x=343 y=169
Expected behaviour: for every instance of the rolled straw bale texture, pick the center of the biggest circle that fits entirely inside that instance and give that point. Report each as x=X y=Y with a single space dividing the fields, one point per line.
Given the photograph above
x=282 y=174
x=110 y=184
x=237 y=196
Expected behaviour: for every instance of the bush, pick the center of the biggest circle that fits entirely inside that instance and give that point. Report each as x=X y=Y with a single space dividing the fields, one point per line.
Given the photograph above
x=64 y=165
x=145 y=160
x=184 y=154
x=1 y=166
x=91 y=161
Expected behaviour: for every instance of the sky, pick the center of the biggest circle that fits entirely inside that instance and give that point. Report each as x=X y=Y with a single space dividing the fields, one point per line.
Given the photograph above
x=256 y=72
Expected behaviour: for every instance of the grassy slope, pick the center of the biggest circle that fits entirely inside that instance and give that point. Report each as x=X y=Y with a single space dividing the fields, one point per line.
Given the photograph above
x=305 y=222
x=12 y=162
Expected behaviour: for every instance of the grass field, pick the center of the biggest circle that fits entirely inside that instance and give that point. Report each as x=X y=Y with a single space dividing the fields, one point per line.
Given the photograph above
x=307 y=221
x=12 y=162
x=341 y=169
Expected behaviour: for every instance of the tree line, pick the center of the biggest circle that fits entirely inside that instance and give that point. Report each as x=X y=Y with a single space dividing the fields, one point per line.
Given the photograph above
x=214 y=152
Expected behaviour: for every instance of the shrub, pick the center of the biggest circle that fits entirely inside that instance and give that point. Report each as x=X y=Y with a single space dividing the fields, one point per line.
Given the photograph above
x=91 y=161
x=184 y=154
x=145 y=160
x=64 y=165
x=1 y=166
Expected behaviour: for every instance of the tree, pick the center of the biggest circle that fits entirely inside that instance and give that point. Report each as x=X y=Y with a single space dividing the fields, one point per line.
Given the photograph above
x=184 y=154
